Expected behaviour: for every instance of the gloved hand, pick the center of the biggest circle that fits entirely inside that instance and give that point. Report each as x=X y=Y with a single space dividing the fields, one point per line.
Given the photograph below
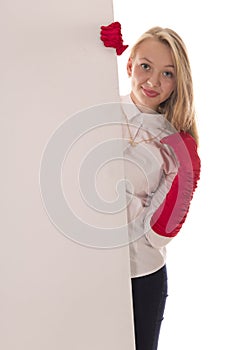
x=112 y=37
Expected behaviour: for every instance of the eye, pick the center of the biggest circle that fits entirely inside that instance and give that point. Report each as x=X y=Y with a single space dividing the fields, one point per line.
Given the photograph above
x=168 y=74
x=145 y=66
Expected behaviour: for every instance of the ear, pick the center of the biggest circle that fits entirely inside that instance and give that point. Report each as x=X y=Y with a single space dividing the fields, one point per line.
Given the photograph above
x=129 y=67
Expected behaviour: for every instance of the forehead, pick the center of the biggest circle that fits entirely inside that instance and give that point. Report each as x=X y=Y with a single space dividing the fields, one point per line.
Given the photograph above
x=155 y=51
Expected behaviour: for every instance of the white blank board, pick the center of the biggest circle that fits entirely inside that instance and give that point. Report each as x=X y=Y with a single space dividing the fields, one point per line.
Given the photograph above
x=55 y=294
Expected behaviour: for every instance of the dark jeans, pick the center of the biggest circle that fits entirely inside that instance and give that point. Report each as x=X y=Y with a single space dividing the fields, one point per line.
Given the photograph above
x=149 y=299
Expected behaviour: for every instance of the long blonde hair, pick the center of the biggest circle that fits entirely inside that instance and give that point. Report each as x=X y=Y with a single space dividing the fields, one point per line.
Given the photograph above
x=179 y=107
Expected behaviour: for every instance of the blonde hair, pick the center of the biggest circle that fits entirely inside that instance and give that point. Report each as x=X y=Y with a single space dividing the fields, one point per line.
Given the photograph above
x=179 y=107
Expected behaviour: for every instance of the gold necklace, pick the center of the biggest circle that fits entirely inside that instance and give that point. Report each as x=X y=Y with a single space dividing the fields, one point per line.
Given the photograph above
x=132 y=139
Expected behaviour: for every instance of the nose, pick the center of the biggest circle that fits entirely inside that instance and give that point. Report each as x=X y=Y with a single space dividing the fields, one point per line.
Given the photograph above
x=154 y=80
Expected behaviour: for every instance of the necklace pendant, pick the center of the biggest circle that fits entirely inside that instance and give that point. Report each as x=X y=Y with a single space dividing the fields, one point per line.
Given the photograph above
x=132 y=143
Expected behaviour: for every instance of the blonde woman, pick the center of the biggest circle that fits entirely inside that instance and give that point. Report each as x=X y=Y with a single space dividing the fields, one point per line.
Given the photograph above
x=160 y=137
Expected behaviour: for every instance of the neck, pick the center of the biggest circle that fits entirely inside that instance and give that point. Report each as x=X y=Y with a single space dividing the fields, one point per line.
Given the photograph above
x=142 y=108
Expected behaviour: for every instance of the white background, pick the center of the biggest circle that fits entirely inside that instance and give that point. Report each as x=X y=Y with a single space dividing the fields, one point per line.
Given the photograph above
x=199 y=307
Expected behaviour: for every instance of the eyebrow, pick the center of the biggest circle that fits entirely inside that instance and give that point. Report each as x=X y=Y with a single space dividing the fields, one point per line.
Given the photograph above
x=168 y=65
x=144 y=58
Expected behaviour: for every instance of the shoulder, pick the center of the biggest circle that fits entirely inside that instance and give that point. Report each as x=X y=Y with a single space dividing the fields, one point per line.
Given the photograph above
x=184 y=146
x=188 y=140
x=180 y=139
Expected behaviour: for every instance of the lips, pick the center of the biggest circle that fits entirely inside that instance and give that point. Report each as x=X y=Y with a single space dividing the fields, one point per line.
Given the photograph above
x=150 y=93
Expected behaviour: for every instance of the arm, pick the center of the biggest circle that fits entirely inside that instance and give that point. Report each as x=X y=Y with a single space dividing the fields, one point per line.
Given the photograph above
x=168 y=219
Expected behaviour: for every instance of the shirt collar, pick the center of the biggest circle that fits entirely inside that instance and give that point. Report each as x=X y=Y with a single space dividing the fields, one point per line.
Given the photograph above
x=129 y=107
x=131 y=110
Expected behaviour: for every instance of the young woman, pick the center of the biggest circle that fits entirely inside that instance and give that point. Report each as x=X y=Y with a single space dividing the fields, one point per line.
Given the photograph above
x=162 y=167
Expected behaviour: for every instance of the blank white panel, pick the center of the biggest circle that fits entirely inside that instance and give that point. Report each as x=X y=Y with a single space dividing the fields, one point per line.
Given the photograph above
x=54 y=292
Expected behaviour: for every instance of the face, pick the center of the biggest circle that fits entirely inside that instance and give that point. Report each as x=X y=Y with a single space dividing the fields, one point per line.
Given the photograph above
x=152 y=73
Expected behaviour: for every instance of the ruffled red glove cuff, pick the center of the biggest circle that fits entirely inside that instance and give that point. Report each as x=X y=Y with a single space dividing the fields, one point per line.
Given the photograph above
x=170 y=216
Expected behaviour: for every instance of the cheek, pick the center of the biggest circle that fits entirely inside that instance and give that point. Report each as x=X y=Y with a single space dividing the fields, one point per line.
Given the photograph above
x=169 y=87
x=138 y=75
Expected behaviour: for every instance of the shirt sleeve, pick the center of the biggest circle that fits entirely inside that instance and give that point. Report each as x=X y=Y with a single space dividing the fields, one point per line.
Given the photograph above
x=167 y=220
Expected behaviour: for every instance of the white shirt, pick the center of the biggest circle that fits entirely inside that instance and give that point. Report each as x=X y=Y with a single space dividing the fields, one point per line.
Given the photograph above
x=150 y=168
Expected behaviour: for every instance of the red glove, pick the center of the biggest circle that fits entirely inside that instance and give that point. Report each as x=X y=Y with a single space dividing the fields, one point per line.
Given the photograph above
x=112 y=37
x=170 y=216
